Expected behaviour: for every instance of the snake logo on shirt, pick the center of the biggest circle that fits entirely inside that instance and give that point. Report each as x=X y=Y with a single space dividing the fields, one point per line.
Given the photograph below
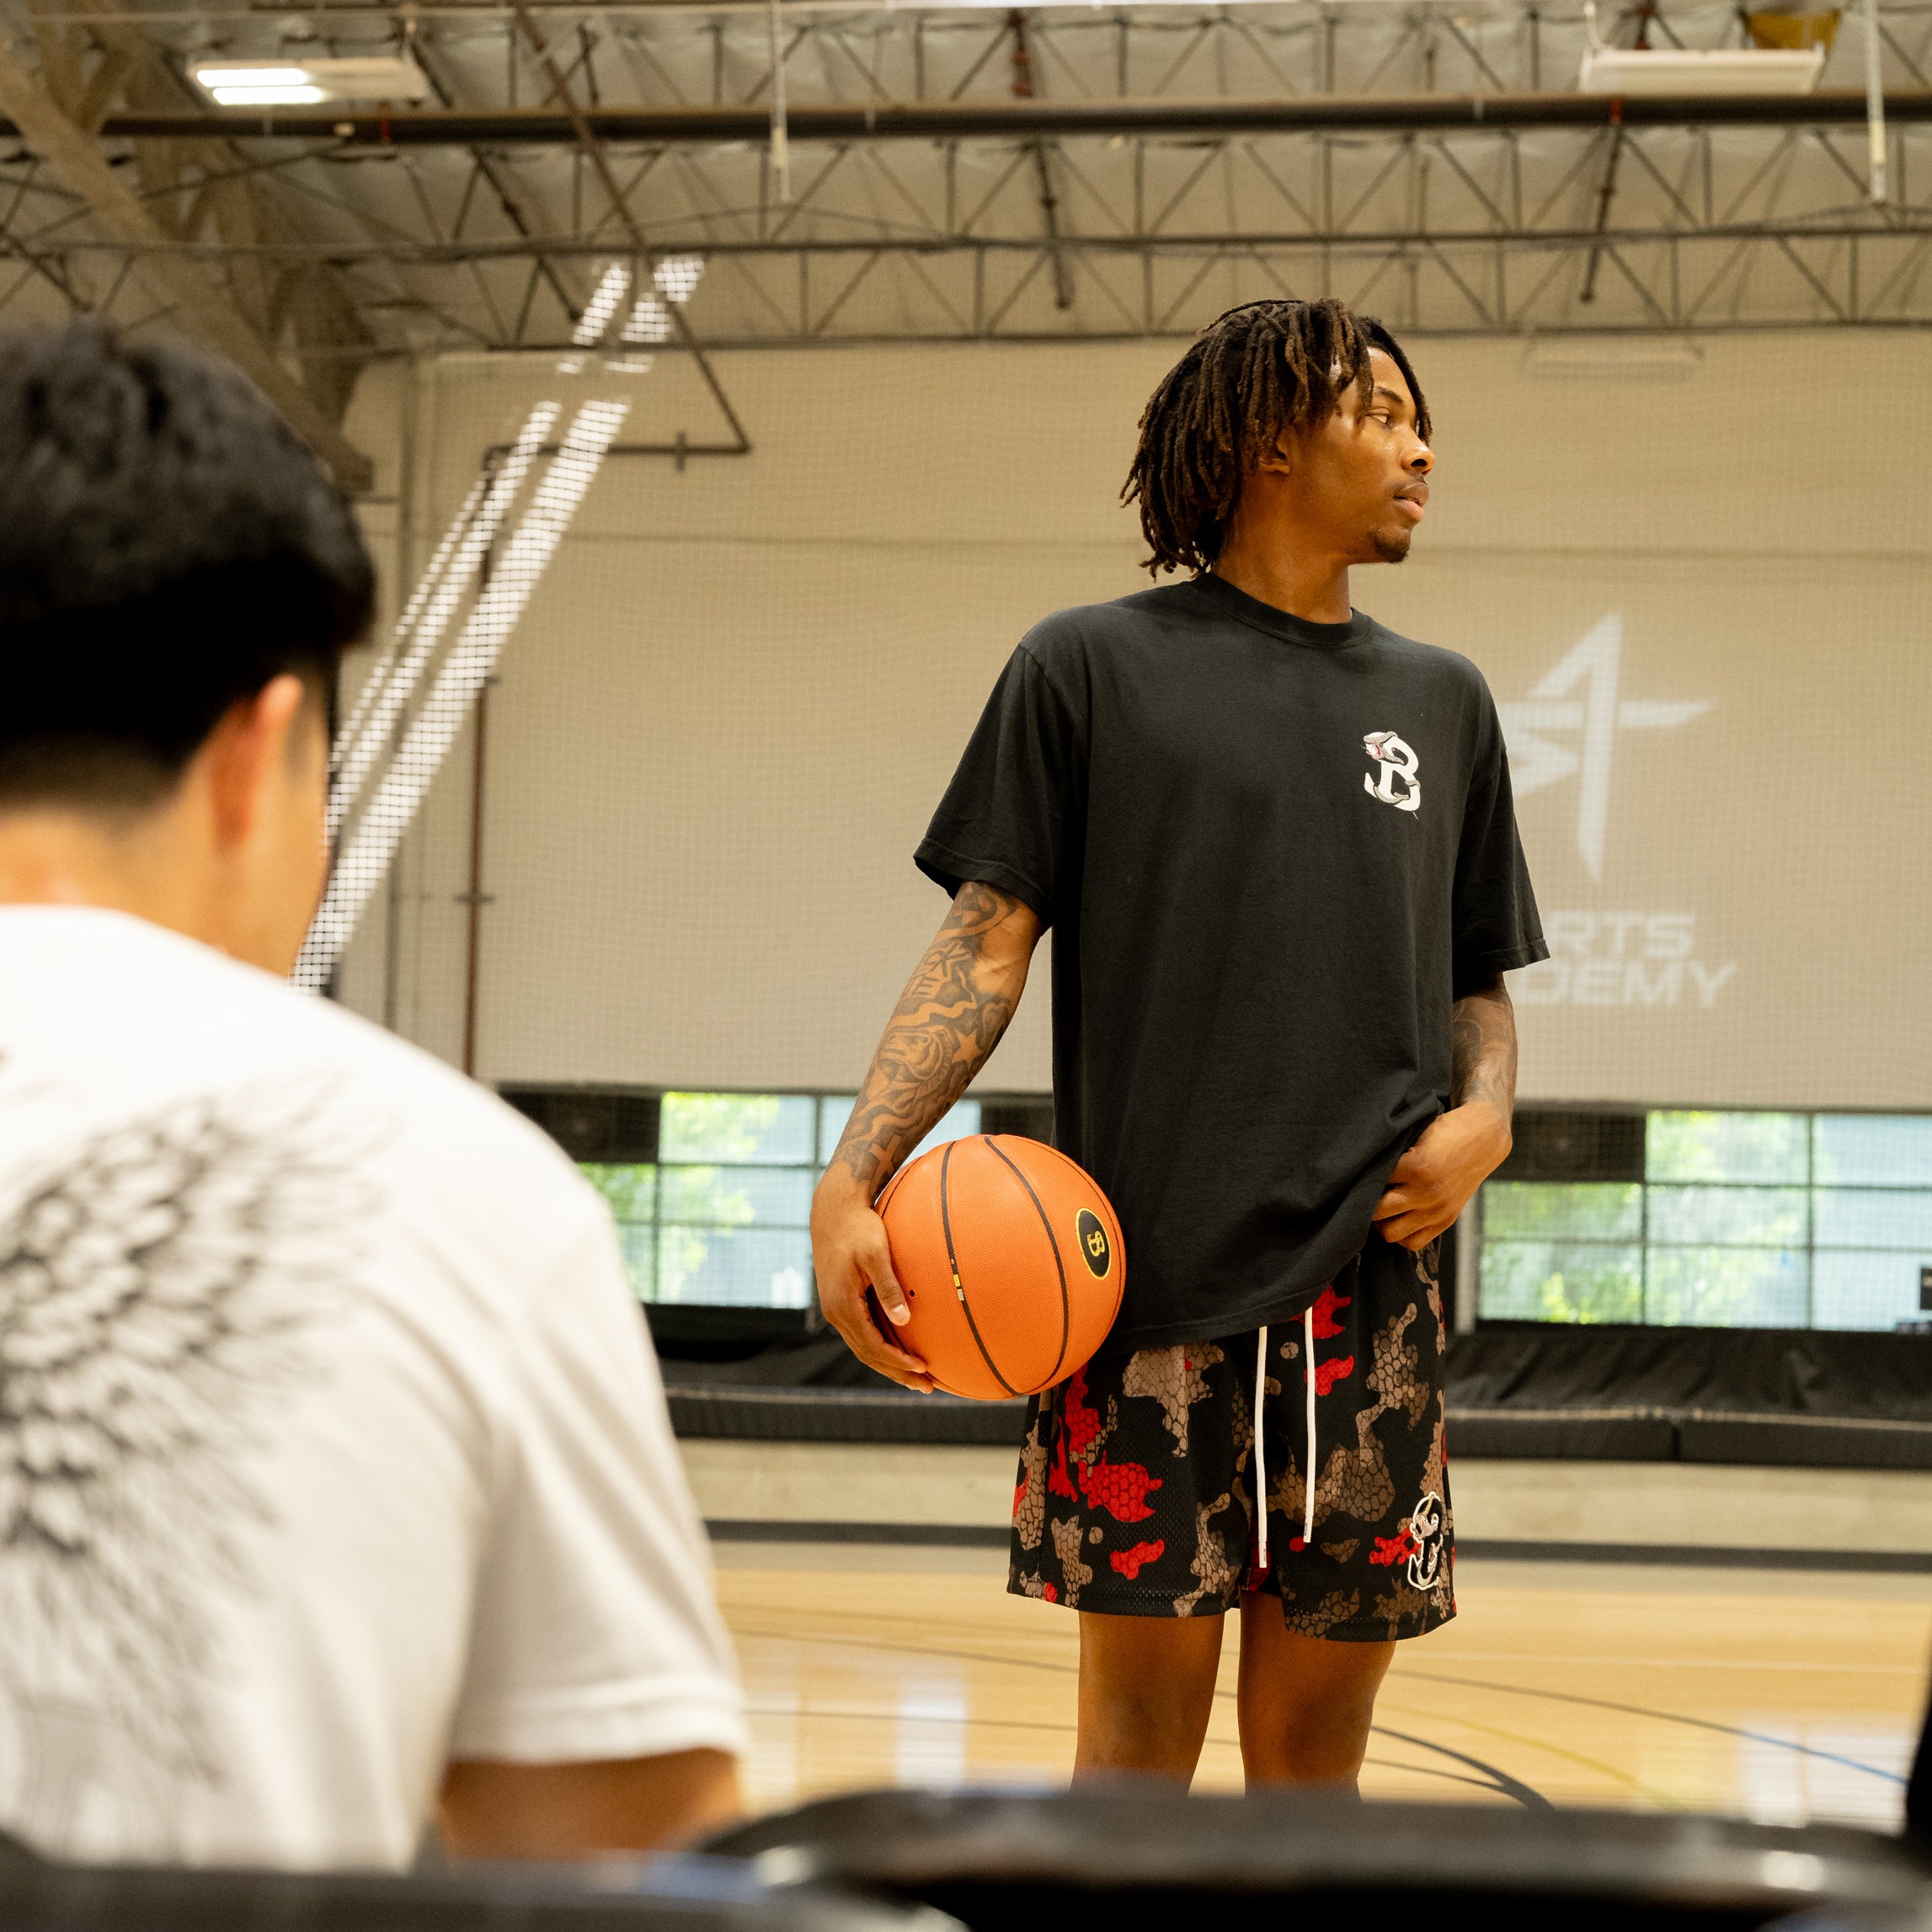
x=1399 y=767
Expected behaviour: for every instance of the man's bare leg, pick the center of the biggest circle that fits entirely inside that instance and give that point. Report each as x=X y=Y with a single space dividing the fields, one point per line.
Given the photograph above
x=1146 y=1691
x=1305 y=1704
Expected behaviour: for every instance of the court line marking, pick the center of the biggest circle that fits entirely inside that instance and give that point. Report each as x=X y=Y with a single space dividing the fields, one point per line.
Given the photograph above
x=757 y=1707
x=1524 y=1794
x=1628 y=1780
x=1530 y=1799
x=1568 y=1660
x=1663 y=1717
x=1434 y=1677
x=1432 y=1771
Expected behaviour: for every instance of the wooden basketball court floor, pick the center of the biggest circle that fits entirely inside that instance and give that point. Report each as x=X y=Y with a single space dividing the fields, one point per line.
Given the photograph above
x=1783 y=1697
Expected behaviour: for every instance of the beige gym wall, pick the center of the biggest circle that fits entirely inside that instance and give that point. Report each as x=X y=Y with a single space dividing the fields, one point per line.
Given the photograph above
x=740 y=690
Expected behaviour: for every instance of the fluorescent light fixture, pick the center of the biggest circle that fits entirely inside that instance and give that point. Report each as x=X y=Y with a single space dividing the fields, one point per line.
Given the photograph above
x=453 y=568
x=628 y=366
x=301 y=83
x=601 y=305
x=1612 y=358
x=677 y=276
x=427 y=742
x=1667 y=72
x=225 y=74
x=298 y=95
x=650 y=320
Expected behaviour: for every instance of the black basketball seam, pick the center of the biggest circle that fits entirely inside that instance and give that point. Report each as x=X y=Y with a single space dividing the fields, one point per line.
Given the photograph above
x=1053 y=1241
x=952 y=1258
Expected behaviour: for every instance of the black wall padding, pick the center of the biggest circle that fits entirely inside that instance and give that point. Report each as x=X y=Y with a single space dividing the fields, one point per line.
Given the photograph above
x=1814 y=1442
x=1474 y=1435
x=819 y=1361
x=1561 y=1435
x=1686 y=1435
x=1777 y=1372
x=843 y=1416
x=1791 y=1398
x=1000 y=1860
x=593 y=1123
x=1571 y=1145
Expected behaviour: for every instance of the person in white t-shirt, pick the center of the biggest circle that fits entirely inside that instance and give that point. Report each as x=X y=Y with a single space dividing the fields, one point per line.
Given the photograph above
x=337 y=1492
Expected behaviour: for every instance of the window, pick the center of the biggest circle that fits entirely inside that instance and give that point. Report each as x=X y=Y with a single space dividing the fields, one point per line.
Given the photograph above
x=722 y=1215
x=1775 y=1220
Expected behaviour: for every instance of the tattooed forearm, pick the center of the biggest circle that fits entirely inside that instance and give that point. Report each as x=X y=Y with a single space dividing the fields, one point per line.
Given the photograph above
x=948 y=1020
x=1483 y=1044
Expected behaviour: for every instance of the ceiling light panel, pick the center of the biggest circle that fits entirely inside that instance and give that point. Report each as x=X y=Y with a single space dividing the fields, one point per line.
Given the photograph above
x=1677 y=72
x=614 y=286
x=677 y=276
x=297 y=83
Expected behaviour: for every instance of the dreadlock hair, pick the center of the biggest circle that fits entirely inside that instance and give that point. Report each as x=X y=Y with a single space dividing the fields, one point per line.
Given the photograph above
x=1246 y=378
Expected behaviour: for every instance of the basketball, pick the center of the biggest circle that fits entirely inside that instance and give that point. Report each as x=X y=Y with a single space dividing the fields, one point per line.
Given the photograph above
x=1011 y=1260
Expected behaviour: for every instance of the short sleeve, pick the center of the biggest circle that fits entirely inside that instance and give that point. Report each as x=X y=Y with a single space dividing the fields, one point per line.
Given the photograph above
x=1496 y=926
x=595 y=1635
x=1011 y=814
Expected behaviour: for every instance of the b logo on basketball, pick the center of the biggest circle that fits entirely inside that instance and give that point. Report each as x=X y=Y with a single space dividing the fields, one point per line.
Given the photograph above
x=1095 y=1250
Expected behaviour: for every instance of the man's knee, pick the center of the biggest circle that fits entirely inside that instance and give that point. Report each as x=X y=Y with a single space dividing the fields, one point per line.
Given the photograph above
x=1146 y=1690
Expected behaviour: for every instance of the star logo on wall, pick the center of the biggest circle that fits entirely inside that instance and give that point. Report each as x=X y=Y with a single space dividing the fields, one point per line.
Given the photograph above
x=1583 y=694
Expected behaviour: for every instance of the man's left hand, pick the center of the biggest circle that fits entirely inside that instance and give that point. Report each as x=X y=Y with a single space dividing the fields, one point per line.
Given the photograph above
x=1433 y=1182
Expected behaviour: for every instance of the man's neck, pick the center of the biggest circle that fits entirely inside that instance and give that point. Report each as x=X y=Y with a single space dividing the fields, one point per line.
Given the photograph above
x=53 y=857
x=1314 y=590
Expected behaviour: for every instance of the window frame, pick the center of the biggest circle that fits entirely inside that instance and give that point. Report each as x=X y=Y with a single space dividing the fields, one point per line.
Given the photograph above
x=1808 y=1247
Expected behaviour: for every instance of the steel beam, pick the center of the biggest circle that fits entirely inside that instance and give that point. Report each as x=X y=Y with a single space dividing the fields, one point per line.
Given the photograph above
x=709 y=126
x=73 y=156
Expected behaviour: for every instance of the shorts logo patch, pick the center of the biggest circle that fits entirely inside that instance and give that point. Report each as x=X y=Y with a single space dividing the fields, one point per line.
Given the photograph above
x=1096 y=1251
x=1426 y=1532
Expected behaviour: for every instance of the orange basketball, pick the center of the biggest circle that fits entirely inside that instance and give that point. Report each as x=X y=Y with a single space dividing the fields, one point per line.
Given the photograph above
x=1012 y=1261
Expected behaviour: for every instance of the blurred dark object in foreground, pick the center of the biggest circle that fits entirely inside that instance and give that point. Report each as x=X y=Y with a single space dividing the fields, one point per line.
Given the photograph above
x=998 y=1860
x=676 y=1894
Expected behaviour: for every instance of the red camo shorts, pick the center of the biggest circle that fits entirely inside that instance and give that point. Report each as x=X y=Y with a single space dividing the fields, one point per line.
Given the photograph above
x=1136 y=1495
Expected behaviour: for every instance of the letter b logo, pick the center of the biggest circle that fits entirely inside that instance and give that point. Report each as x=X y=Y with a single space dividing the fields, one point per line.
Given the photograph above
x=1095 y=1250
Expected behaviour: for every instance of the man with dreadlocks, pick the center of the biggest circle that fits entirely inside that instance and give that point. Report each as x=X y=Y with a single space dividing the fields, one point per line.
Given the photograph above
x=1279 y=847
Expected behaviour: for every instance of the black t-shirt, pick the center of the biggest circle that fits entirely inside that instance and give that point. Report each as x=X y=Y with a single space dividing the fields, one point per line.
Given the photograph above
x=1274 y=853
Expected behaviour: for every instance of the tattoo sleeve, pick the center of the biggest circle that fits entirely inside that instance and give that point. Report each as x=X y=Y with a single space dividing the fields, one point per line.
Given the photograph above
x=1483 y=1046
x=951 y=1016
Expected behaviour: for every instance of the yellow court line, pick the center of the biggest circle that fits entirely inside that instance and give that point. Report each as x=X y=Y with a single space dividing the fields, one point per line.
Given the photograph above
x=1616 y=1777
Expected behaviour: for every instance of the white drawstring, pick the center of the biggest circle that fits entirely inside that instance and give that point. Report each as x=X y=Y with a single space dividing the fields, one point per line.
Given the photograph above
x=1308 y=1483
x=1260 y=1460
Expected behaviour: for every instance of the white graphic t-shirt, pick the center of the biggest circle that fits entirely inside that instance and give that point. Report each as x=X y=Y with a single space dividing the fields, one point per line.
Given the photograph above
x=332 y=1446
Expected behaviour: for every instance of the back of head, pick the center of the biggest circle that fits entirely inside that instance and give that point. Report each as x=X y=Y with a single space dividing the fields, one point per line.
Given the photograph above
x=1250 y=374
x=167 y=546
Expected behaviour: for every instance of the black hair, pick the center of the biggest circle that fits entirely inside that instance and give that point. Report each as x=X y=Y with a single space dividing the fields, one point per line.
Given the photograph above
x=1246 y=376
x=167 y=546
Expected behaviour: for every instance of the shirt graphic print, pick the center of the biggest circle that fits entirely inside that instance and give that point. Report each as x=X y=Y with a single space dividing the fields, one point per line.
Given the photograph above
x=332 y=1445
x=159 y=1287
